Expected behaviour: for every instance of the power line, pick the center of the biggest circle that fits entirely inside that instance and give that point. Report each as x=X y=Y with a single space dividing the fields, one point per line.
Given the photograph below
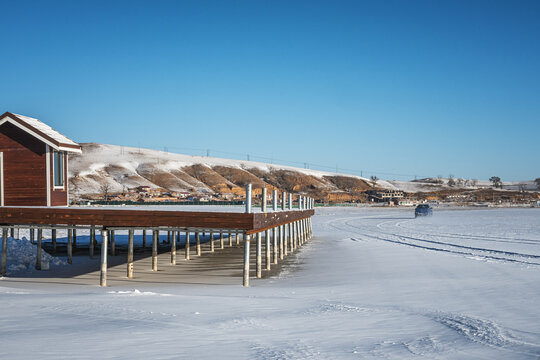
x=271 y=159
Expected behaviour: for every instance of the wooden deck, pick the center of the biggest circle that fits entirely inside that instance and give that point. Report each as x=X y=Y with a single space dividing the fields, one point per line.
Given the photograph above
x=290 y=229
x=250 y=223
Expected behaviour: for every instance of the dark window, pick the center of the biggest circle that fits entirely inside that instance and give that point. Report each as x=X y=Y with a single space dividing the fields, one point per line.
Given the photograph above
x=58 y=164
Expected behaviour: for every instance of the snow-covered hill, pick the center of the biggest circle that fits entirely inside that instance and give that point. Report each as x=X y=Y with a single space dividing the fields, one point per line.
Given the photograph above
x=124 y=167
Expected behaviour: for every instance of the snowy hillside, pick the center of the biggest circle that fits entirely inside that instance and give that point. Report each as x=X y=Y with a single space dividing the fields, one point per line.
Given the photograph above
x=124 y=167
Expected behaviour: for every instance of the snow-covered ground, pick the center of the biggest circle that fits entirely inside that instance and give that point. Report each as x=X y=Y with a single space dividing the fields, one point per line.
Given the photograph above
x=372 y=284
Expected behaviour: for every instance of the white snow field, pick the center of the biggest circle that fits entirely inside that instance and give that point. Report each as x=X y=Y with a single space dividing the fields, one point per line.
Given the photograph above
x=371 y=284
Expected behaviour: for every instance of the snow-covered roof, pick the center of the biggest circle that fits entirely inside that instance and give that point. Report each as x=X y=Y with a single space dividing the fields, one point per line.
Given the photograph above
x=41 y=131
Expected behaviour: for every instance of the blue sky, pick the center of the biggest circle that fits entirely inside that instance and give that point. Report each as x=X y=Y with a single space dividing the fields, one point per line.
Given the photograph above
x=392 y=88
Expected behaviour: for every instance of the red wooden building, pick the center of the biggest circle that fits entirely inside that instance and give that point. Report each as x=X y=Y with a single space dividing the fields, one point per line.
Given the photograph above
x=33 y=162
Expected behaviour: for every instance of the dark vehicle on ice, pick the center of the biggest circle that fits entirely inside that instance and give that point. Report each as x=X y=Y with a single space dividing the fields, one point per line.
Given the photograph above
x=423 y=210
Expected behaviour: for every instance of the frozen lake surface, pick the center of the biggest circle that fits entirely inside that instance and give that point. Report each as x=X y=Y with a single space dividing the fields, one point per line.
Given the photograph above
x=371 y=284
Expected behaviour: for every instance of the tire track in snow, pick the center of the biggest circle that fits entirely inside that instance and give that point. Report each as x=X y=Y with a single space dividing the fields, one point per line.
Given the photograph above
x=501 y=252
x=346 y=222
x=475 y=237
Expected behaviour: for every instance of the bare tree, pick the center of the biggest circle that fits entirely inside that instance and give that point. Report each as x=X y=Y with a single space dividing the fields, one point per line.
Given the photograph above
x=374 y=180
x=521 y=188
x=474 y=182
x=537 y=182
x=496 y=181
x=104 y=189
x=451 y=181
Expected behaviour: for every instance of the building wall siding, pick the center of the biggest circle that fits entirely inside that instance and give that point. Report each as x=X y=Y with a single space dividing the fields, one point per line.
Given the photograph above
x=24 y=168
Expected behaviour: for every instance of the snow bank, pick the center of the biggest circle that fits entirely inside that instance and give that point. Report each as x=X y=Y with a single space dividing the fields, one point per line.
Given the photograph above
x=136 y=292
x=22 y=255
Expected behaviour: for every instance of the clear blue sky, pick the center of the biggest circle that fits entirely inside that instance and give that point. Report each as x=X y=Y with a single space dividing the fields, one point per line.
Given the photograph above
x=423 y=88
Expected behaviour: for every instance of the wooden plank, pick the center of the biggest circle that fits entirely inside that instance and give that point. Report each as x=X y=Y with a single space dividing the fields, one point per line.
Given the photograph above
x=250 y=222
x=266 y=221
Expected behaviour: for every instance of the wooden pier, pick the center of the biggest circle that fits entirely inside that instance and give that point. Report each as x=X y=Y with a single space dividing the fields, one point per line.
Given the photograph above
x=284 y=229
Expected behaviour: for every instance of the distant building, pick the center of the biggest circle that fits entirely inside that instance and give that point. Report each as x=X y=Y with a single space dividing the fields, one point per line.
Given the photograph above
x=384 y=195
x=142 y=188
x=33 y=162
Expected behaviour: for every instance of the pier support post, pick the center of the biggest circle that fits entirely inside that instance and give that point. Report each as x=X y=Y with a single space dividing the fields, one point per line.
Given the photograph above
x=230 y=239
x=292 y=235
x=246 y=259
x=113 y=247
x=39 y=241
x=301 y=232
x=31 y=235
x=259 y=257
x=186 y=248
x=212 y=242
x=296 y=234
x=69 y=246
x=285 y=240
x=130 y=255
x=297 y=228
x=144 y=238
x=237 y=238
x=74 y=238
x=303 y=224
x=275 y=245
x=291 y=243
x=4 y=252
x=267 y=249
x=12 y=233
x=53 y=239
x=103 y=273
x=173 y=247
x=92 y=245
x=221 y=244
x=198 y=243
x=281 y=250
x=155 y=242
